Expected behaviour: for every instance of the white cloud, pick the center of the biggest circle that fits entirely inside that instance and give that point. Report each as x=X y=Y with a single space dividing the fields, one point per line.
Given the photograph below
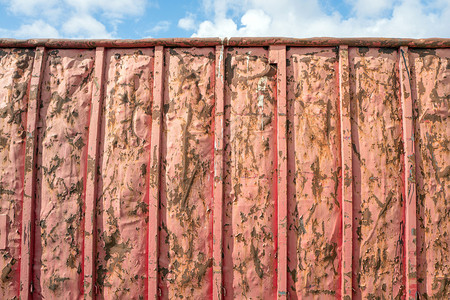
x=187 y=23
x=72 y=18
x=161 y=26
x=306 y=18
x=31 y=7
x=114 y=8
x=37 y=29
x=371 y=8
x=85 y=26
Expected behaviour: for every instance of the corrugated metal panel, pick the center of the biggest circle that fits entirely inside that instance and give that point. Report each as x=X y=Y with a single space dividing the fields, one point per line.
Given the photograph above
x=239 y=168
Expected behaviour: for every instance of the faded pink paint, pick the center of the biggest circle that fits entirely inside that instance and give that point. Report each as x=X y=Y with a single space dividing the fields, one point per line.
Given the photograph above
x=185 y=241
x=62 y=137
x=314 y=199
x=15 y=74
x=250 y=175
x=377 y=168
x=431 y=87
x=225 y=169
x=124 y=165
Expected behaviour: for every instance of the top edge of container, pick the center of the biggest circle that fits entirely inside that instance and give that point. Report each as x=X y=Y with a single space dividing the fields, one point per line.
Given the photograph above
x=232 y=42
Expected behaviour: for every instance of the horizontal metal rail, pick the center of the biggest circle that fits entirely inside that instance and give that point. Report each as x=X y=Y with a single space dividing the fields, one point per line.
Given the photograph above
x=234 y=41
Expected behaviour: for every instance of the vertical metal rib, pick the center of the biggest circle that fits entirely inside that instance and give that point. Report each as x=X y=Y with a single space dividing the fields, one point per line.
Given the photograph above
x=92 y=176
x=218 y=173
x=29 y=195
x=409 y=176
x=346 y=156
x=277 y=55
x=155 y=155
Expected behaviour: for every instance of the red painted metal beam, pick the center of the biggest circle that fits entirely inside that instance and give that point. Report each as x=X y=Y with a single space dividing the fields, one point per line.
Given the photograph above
x=237 y=41
x=92 y=177
x=277 y=55
x=154 y=188
x=409 y=176
x=346 y=157
x=218 y=173
x=29 y=195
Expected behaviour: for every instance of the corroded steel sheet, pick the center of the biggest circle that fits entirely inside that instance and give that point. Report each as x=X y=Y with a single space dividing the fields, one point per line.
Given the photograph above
x=211 y=169
x=431 y=86
x=62 y=138
x=122 y=206
x=314 y=167
x=250 y=175
x=187 y=145
x=233 y=41
x=15 y=74
x=377 y=173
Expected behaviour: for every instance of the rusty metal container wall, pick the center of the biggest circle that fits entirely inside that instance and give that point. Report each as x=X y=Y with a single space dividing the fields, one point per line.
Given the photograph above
x=15 y=69
x=122 y=207
x=432 y=165
x=249 y=174
x=314 y=172
x=377 y=173
x=187 y=146
x=240 y=168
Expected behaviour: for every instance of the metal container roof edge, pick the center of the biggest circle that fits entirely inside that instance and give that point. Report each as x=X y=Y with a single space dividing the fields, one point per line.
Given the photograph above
x=233 y=41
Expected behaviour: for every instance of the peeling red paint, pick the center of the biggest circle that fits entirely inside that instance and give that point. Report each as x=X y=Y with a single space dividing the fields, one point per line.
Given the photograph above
x=185 y=242
x=250 y=174
x=15 y=70
x=122 y=207
x=62 y=138
x=430 y=71
x=378 y=227
x=314 y=201
x=235 y=168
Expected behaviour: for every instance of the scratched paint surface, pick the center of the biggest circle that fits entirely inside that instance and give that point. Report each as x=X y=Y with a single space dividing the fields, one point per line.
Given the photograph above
x=377 y=173
x=185 y=259
x=15 y=73
x=250 y=176
x=62 y=138
x=186 y=212
x=314 y=173
x=431 y=82
x=122 y=209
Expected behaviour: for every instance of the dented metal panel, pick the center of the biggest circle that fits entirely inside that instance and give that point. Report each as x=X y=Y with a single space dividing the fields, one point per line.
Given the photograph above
x=210 y=169
x=15 y=74
x=314 y=165
x=62 y=139
x=187 y=146
x=431 y=86
x=377 y=173
x=250 y=175
x=122 y=206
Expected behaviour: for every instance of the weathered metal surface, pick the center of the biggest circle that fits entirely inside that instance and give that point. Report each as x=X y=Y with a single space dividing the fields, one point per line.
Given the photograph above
x=378 y=225
x=91 y=179
x=225 y=169
x=409 y=182
x=346 y=174
x=62 y=138
x=185 y=250
x=250 y=199
x=277 y=56
x=314 y=168
x=123 y=184
x=219 y=121
x=154 y=174
x=430 y=71
x=15 y=74
x=231 y=42
x=29 y=180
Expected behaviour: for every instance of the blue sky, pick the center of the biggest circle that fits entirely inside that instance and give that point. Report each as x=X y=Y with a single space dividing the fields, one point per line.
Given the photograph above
x=136 y=19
